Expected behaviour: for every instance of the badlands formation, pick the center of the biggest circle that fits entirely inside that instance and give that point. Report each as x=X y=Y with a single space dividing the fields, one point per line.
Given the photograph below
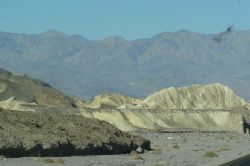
x=198 y=107
x=38 y=120
x=212 y=107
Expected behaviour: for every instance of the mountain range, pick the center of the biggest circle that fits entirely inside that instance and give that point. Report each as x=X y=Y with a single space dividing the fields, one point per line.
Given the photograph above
x=85 y=68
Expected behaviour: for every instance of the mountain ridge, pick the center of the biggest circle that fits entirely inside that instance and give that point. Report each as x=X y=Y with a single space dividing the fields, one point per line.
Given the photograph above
x=86 y=68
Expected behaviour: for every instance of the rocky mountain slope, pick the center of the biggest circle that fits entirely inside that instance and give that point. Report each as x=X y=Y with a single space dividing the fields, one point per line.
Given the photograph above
x=58 y=134
x=86 y=68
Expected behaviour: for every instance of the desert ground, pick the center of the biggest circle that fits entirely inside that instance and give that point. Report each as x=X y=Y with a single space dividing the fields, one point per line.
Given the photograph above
x=180 y=148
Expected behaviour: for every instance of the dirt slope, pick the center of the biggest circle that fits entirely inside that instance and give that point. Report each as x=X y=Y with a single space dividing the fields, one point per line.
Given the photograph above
x=58 y=134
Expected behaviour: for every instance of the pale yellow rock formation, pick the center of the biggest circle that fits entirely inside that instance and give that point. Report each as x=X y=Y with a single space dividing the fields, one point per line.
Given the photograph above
x=13 y=104
x=111 y=100
x=128 y=120
x=247 y=106
x=211 y=96
x=208 y=107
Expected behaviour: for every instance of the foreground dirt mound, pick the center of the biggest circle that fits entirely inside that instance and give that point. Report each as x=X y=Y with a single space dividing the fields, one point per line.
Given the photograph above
x=58 y=134
x=211 y=96
x=26 y=89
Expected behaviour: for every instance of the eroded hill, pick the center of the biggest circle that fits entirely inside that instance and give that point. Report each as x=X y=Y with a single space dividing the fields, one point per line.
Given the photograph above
x=199 y=107
x=211 y=96
x=22 y=88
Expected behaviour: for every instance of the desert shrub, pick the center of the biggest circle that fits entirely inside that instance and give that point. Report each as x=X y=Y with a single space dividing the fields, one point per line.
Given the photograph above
x=176 y=146
x=210 y=154
x=185 y=140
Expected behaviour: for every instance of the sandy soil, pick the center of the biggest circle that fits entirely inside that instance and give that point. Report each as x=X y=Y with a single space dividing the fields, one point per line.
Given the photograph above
x=172 y=149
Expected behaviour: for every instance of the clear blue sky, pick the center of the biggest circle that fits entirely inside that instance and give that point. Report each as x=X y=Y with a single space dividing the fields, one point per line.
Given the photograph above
x=132 y=19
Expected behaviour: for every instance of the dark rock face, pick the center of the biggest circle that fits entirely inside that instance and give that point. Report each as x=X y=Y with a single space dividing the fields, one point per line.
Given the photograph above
x=58 y=134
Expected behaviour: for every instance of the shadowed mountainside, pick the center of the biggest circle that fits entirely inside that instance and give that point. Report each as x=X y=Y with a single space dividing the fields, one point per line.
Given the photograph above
x=87 y=68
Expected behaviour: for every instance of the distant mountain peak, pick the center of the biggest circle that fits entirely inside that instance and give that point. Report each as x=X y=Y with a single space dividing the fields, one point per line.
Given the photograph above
x=183 y=31
x=53 y=32
x=117 y=39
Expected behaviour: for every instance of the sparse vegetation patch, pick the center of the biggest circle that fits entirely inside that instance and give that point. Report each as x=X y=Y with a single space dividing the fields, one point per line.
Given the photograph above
x=210 y=154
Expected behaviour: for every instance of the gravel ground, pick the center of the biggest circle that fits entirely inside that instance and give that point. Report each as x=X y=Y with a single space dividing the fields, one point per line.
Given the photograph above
x=172 y=149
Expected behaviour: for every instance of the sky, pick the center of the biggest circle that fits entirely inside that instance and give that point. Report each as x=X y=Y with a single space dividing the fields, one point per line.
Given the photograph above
x=131 y=19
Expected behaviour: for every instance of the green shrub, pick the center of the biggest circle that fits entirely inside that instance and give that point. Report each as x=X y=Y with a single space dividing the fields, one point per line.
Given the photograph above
x=210 y=154
x=176 y=146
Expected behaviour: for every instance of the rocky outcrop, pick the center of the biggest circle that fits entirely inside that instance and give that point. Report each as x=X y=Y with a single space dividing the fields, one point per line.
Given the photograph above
x=211 y=96
x=59 y=134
